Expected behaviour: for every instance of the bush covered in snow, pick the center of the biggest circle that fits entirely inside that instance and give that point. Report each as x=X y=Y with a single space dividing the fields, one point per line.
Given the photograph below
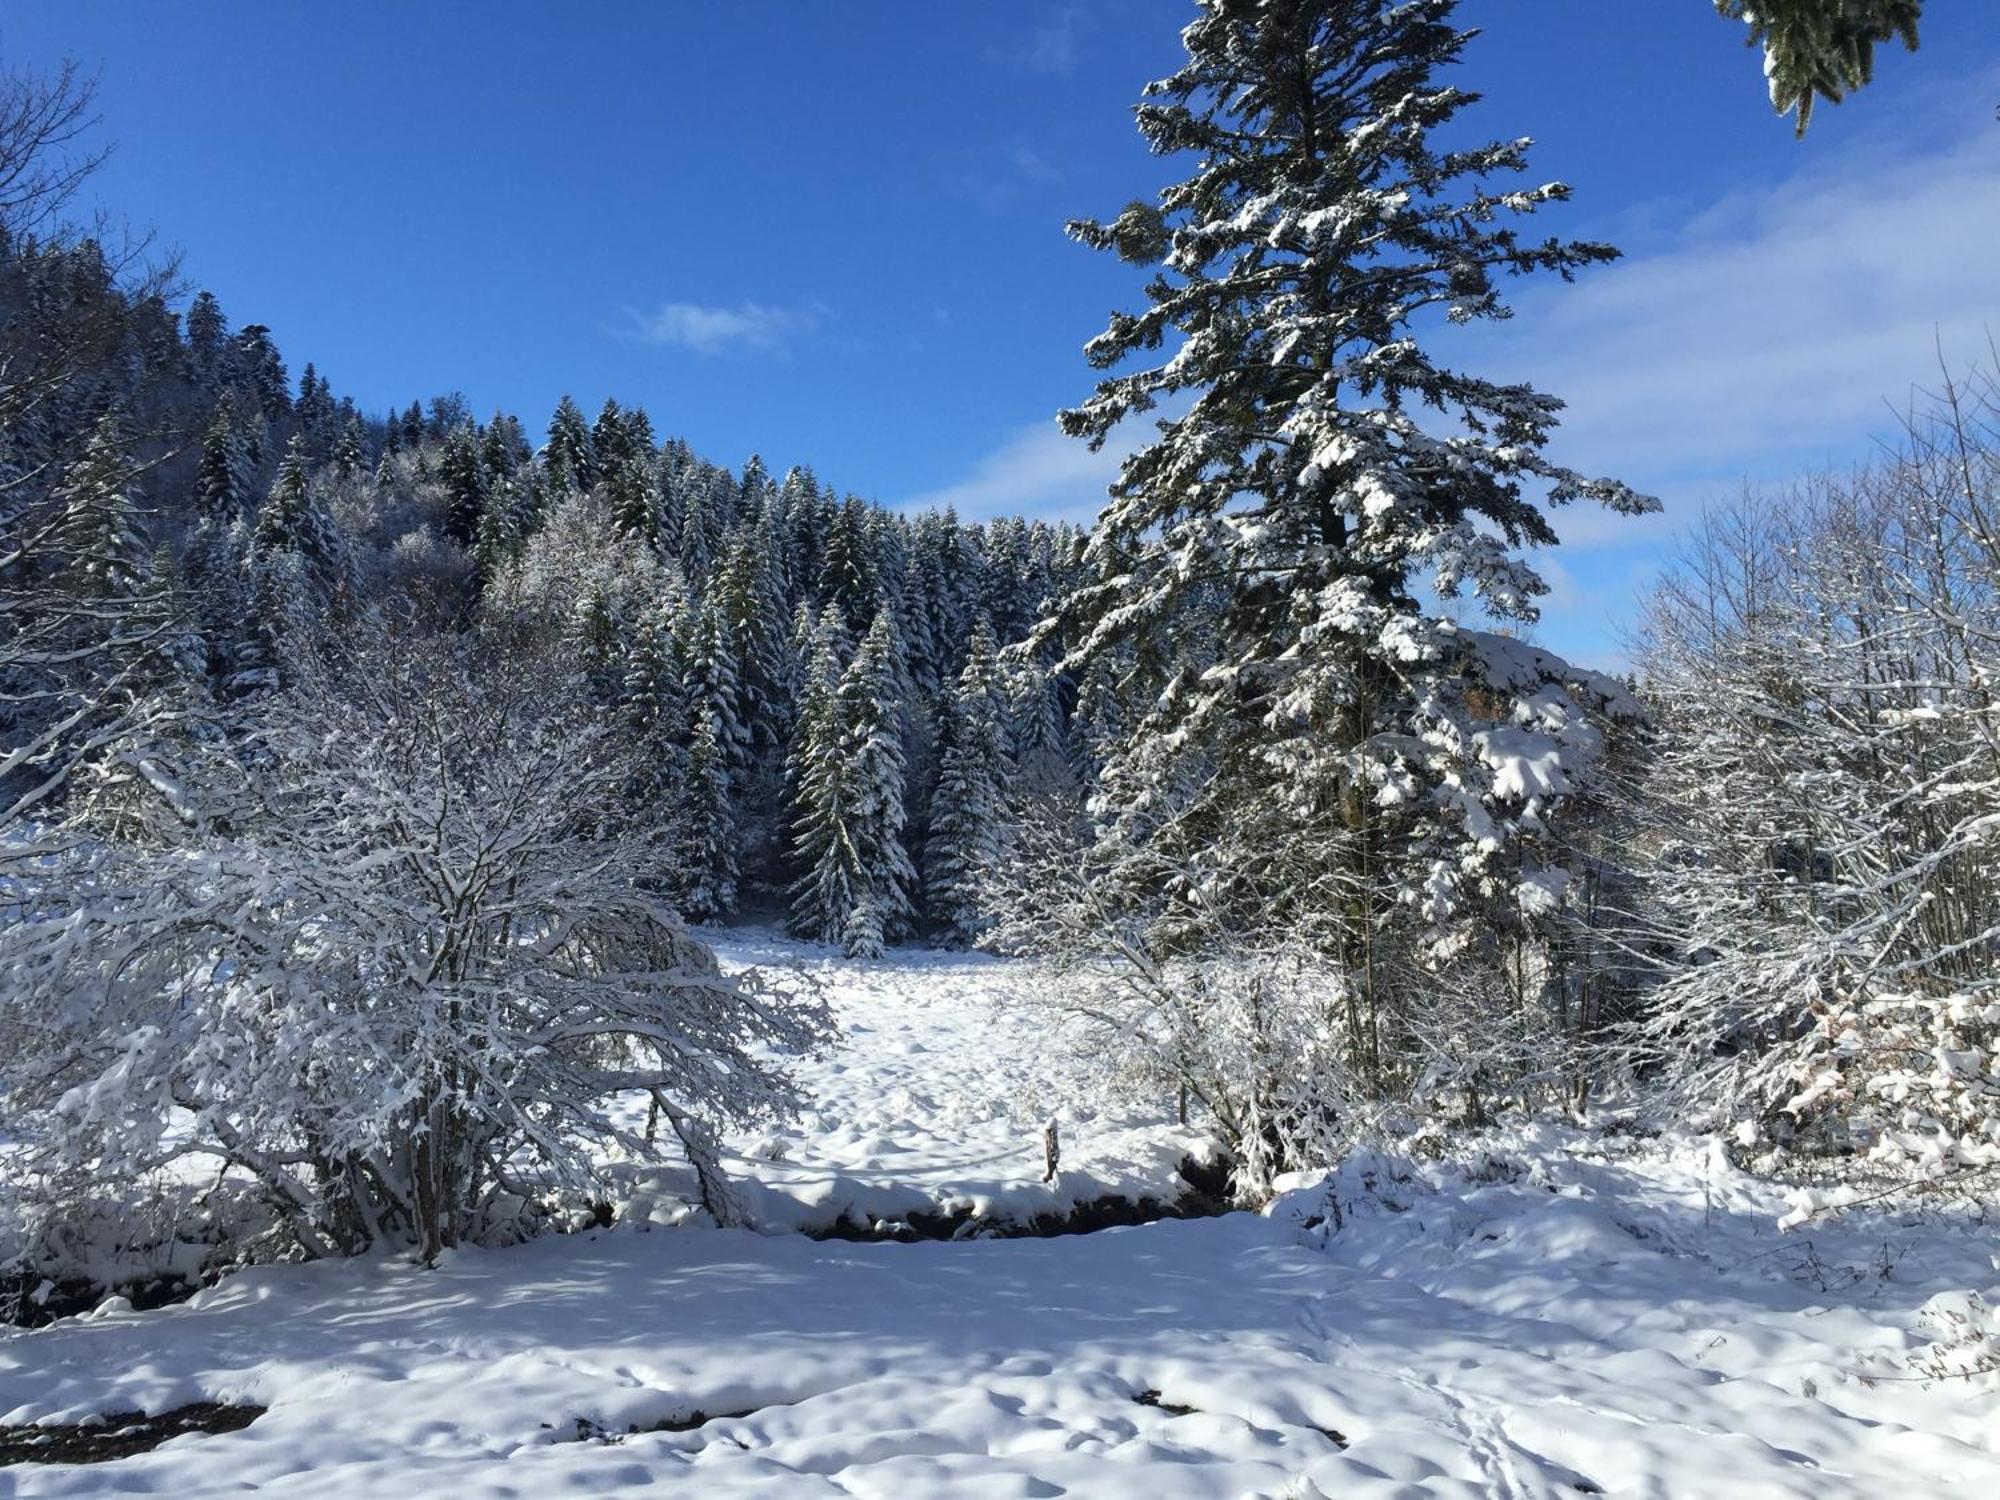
x=392 y=968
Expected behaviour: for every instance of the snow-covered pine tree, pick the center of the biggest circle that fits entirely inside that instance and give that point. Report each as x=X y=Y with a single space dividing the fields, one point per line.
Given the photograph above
x=264 y=371
x=1821 y=49
x=846 y=574
x=207 y=342
x=292 y=520
x=713 y=683
x=503 y=525
x=223 y=478
x=463 y=478
x=867 y=710
x=1286 y=520
x=608 y=437
x=707 y=840
x=816 y=789
x=969 y=810
x=570 y=452
x=598 y=639
x=655 y=687
x=347 y=450
x=696 y=542
x=503 y=447
x=103 y=544
x=634 y=494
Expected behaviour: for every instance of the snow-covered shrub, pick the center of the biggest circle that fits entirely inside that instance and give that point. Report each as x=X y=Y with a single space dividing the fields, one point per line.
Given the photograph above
x=1821 y=826
x=1251 y=1029
x=1912 y=1085
x=392 y=973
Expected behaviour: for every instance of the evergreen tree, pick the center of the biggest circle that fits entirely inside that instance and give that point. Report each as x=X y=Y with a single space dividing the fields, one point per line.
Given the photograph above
x=503 y=448
x=708 y=828
x=868 y=707
x=856 y=889
x=713 y=686
x=223 y=479
x=655 y=677
x=347 y=453
x=257 y=356
x=600 y=647
x=633 y=491
x=103 y=545
x=503 y=527
x=1279 y=528
x=697 y=535
x=570 y=451
x=822 y=895
x=969 y=809
x=1821 y=49
x=464 y=480
x=207 y=342
x=846 y=577
x=292 y=521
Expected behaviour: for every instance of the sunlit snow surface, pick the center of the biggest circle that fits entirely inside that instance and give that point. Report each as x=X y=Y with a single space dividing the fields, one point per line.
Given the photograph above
x=1562 y=1316
x=936 y=1100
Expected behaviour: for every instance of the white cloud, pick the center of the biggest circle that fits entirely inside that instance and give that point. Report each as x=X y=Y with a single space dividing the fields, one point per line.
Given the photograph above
x=1772 y=332
x=1036 y=472
x=748 y=326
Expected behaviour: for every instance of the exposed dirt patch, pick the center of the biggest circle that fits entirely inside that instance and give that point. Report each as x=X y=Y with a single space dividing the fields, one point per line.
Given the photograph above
x=118 y=1434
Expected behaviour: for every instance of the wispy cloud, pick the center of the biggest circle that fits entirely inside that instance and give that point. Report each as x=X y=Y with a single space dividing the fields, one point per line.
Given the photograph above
x=753 y=327
x=1773 y=331
x=997 y=180
x=1055 y=44
x=1037 y=471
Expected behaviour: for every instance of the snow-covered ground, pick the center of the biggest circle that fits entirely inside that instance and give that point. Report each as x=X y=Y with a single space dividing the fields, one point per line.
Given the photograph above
x=935 y=1100
x=1560 y=1315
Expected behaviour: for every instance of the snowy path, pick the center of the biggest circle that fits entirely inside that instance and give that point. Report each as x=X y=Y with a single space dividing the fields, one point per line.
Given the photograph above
x=1580 y=1318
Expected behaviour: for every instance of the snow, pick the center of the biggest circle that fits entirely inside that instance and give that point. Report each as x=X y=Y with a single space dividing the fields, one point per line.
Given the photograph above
x=1550 y=1314
x=934 y=1100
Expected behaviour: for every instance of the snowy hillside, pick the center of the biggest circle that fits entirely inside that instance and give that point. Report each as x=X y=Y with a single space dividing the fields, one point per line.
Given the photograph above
x=1545 y=1315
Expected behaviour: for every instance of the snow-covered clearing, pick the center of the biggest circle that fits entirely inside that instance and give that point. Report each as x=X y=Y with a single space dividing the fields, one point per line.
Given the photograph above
x=935 y=1100
x=1566 y=1315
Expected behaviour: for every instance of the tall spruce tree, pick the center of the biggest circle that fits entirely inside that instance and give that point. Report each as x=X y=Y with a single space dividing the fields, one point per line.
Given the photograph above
x=463 y=477
x=292 y=521
x=713 y=684
x=969 y=809
x=868 y=711
x=707 y=828
x=822 y=894
x=1279 y=529
x=101 y=540
x=571 y=452
x=223 y=478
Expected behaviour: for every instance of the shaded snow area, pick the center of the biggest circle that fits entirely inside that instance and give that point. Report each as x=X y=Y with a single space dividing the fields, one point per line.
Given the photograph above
x=1544 y=1313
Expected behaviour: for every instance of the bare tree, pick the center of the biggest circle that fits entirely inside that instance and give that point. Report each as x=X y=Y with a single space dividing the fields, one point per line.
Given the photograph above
x=1825 y=812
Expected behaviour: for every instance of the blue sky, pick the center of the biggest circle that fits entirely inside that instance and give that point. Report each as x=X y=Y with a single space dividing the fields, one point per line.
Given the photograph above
x=832 y=233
